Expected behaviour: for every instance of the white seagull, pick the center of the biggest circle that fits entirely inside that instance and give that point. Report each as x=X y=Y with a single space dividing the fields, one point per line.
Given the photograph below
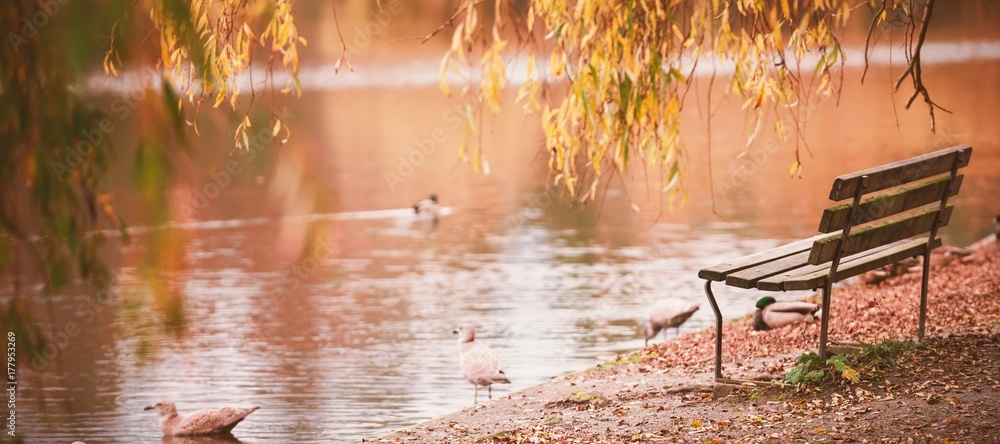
x=670 y=313
x=201 y=422
x=479 y=363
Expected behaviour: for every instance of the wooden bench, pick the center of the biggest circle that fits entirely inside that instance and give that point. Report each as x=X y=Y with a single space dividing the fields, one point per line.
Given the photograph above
x=910 y=199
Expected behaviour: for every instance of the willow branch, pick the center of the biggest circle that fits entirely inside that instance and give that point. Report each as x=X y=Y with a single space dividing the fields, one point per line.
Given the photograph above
x=914 y=70
x=451 y=19
x=343 y=43
x=868 y=39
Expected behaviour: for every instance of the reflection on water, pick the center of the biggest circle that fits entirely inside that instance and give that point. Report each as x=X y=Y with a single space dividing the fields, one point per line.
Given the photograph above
x=328 y=306
x=220 y=439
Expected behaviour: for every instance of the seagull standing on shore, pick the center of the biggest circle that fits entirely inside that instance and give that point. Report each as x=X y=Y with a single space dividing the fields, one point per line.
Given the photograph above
x=201 y=422
x=670 y=313
x=773 y=314
x=479 y=363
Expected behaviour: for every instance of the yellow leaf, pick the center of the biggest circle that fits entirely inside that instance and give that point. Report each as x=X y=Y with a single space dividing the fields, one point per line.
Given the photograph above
x=677 y=32
x=696 y=423
x=221 y=96
x=277 y=127
x=165 y=52
x=794 y=168
x=851 y=375
x=822 y=83
x=456 y=42
x=248 y=31
x=443 y=74
x=672 y=183
x=593 y=190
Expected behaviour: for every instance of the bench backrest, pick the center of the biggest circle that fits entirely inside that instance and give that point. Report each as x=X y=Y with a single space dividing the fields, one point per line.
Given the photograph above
x=900 y=207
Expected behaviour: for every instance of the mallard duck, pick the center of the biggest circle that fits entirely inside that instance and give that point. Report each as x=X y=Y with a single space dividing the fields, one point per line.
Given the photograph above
x=947 y=255
x=909 y=264
x=201 y=422
x=773 y=314
x=899 y=268
x=670 y=313
x=479 y=363
x=874 y=277
x=428 y=208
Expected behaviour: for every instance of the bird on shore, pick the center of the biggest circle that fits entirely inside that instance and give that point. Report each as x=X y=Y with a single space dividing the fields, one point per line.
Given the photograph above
x=670 y=313
x=951 y=253
x=876 y=276
x=200 y=422
x=996 y=229
x=428 y=208
x=480 y=365
x=907 y=265
x=898 y=268
x=773 y=314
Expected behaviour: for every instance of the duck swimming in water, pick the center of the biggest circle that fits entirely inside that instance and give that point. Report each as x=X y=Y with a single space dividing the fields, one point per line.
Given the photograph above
x=198 y=423
x=428 y=208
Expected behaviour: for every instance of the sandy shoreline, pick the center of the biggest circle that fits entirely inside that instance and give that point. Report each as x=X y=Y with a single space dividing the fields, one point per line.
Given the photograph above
x=665 y=393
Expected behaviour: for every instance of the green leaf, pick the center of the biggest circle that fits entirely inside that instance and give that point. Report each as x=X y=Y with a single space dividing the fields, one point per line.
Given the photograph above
x=814 y=376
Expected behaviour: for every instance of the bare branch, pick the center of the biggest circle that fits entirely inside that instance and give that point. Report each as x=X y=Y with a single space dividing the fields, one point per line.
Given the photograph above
x=868 y=39
x=914 y=69
x=451 y=19
x=343 y=43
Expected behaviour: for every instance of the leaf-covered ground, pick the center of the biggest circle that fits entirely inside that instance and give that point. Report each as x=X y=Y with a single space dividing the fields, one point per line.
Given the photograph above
x=943 y=390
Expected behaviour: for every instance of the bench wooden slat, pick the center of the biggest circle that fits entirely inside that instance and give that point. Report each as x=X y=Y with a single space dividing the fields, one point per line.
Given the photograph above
x=879 y=233
x=898 y=173
x=719 y=271
x=776 y=282
x=887 y=204
x=855 y=266
x=748 y=277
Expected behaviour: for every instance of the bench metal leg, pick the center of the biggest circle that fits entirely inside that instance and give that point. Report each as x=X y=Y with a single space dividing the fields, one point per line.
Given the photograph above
x=825 y=321
x=835 y=263
x=718 y=330
x=925 y=274
x=955 y=164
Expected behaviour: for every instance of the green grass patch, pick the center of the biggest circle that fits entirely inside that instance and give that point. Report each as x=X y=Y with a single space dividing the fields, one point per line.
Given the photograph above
x=866 y=364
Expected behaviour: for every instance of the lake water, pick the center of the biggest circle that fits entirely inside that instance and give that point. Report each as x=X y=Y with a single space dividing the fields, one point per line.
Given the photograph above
x=309 y=289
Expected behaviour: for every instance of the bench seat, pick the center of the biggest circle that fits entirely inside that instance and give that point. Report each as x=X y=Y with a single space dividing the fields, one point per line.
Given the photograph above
x=787 y=268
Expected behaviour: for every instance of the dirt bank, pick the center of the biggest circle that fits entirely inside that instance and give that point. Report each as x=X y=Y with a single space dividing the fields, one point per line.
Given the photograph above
x=944 y=390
